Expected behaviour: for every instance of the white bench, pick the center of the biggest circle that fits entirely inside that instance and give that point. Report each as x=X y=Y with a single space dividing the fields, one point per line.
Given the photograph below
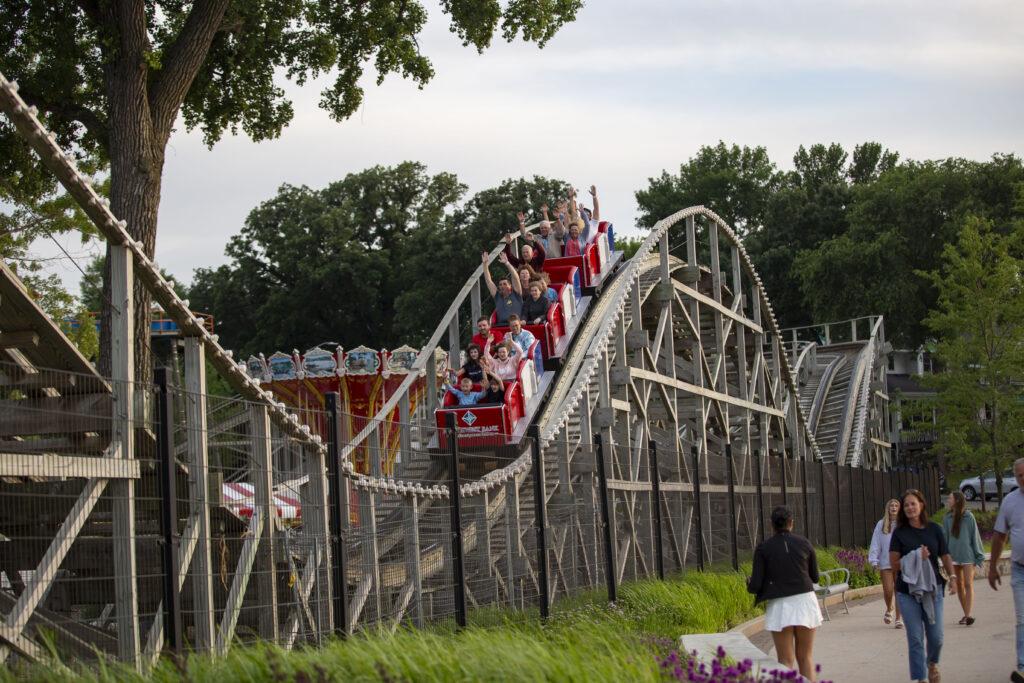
x=832 y=582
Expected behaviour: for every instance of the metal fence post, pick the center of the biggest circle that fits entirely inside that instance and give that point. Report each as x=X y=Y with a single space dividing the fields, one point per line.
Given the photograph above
x=455 y=496
x=606 y=521
x=540 y=519
x=700 y=509
x=336 y=514
x=760 y=494
x=168 y=510
x=853 y=506
x=864 y=519
x=839 y=505
x=733 y=542
x=821 y=496
x=652 y=452
x=785 y=491
x=807 y=510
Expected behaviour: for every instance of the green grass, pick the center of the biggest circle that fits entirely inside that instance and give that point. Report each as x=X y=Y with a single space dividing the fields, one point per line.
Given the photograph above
x=585 y=640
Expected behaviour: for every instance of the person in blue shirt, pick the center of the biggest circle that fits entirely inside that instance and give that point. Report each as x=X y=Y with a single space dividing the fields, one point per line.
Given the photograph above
x=465 y=394
x=524 y=338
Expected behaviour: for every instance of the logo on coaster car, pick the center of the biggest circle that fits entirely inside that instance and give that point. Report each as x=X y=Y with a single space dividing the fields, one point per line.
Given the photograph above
x=469 y=418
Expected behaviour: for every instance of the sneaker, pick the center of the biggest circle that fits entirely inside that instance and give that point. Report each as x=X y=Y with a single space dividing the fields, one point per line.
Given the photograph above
x=1017 y=677
x=899 y=623
x=887 y=617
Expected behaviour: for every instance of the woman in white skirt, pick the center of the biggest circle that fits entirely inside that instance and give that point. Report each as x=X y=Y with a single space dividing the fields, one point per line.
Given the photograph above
x=784 y=573
x=878 y=557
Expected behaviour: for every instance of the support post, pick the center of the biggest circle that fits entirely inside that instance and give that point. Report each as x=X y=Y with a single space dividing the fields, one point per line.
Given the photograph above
x=540 y=520
x=338 y=512
x=606 y=520
x=168 y=510
x=659 y=560
x=455 y=497
x=122 y=320
x=760 y=493
x=412 y=557
x=733 y=542
x=205 y=638
x=262 y=473
x=699 y=505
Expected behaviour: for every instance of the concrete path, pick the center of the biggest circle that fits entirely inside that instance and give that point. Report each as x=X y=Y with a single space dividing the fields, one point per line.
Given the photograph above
x=859 y=647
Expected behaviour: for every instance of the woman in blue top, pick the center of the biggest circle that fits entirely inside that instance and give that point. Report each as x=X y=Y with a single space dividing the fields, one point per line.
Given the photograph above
x=965 y=548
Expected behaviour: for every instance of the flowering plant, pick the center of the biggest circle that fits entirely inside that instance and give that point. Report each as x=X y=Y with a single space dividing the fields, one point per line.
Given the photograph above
x=721 y=670
x=856 y=560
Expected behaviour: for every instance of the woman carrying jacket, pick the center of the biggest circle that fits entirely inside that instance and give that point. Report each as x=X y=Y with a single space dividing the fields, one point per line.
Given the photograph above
x=785 y=570
x=964 y=541
x=878 y=557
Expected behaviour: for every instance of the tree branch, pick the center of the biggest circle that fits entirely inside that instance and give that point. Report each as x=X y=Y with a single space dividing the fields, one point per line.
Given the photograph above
x=182 y=61
x=68 y=113
x=91 y=8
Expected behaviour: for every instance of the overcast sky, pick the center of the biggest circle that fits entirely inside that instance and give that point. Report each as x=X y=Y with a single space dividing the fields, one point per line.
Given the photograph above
x=629 y=89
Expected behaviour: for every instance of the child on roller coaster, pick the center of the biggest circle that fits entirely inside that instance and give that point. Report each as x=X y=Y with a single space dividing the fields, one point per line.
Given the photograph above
x=465 y=394
x=474 y=366
x=506 y=363
x=523 y=338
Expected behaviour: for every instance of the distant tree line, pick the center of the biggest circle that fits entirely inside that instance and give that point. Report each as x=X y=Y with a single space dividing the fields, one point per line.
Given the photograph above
x=374 y=258
x=844 y=234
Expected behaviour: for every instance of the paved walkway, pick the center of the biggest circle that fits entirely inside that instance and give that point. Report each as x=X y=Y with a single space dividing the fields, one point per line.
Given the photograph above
x=859 y=647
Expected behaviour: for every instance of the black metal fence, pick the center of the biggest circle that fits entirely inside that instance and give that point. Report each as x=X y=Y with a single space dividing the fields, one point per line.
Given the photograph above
x=241 y=532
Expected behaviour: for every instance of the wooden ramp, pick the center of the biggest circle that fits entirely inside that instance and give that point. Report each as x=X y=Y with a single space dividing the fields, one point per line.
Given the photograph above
x=52 y=400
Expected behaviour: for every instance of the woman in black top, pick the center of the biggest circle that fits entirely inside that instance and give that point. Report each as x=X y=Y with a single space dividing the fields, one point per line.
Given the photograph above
x=784 y=573
x=535 y=306
x=921 y=603
x=473 y=367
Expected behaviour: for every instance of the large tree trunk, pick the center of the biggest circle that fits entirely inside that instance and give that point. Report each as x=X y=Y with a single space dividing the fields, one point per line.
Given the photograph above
x=136 y=166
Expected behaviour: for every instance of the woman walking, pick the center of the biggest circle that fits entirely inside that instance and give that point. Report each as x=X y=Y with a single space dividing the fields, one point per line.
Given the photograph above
x=915 y=550
x=785 y=570
x=878 y=557
x=964 y=541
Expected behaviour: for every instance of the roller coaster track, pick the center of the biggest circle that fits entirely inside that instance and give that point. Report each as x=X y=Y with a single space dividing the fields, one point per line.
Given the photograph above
x=679 y=350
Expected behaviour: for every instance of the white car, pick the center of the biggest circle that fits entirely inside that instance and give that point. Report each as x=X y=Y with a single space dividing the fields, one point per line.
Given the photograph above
x=971 y=488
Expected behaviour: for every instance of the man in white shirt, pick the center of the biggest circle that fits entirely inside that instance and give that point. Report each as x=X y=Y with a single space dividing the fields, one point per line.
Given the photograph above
x=1010 y=522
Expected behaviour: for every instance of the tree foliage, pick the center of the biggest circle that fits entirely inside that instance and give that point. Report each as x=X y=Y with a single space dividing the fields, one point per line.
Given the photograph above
x=842 y=234
x=40 y=219
x=112 y=78
x=374 y=258
x=979 y=325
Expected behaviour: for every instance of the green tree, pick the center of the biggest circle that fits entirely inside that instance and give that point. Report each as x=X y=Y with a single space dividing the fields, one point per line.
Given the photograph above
x=734 y=182
x=894 y=230
x=112 y=77
x=373 y=259
x=979 y=323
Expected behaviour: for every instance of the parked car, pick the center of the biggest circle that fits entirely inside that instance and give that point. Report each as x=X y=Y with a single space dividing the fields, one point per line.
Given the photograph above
x=971 y=487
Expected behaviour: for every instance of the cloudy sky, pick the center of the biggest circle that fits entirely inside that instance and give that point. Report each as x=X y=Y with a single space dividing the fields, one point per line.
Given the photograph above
x=629 y=89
